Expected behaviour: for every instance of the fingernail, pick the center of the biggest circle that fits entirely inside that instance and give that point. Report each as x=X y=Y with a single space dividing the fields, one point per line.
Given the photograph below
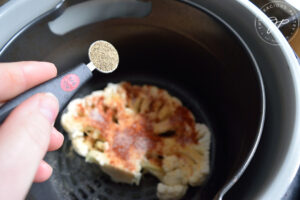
x=49 y=106
x=30 y=66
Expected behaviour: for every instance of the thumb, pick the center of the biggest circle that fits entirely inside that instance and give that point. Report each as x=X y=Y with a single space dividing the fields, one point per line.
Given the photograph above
x=24 y=139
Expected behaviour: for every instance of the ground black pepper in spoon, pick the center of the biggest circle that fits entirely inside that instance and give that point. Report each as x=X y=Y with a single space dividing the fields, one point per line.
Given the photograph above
x=103 y=56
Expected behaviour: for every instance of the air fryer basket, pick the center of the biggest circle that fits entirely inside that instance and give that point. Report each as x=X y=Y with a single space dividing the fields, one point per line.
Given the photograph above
x=176 y=47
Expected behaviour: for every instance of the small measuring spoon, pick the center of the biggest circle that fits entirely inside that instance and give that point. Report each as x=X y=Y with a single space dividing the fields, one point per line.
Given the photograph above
x=103 y=56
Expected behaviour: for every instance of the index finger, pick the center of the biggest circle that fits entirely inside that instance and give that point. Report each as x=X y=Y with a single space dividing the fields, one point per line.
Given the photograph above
x=18 y=77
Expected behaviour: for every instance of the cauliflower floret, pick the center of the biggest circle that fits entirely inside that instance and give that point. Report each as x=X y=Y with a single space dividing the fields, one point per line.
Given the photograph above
x=115 y=173
x=204 y=142
x=80 y=146
x=199 y=175
x=76 y=134
x=202 y=131
x=166 y=192
x=94 y=156
x=101 y=146
x=74 y=129
x=175 y=171
x=152 y=168
x=200 y=164
x=174 y=177
x=170 y=163
x=186 y=165
x=162 y=126
x=113 y=94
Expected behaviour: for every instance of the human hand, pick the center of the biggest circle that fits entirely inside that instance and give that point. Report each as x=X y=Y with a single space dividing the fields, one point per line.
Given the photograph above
x=28 y=131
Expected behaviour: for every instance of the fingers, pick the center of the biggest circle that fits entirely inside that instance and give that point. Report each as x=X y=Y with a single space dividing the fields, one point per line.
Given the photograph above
x=43 y=172
x=20 y=76
x=56 y=140
x=24 y=140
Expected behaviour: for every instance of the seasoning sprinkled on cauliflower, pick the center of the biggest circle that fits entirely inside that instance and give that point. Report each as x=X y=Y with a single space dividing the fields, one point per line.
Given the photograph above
x=167 y=192
x=126 y=128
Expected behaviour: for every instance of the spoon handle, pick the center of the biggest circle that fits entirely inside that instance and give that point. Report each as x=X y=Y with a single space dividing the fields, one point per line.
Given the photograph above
x=63 y=87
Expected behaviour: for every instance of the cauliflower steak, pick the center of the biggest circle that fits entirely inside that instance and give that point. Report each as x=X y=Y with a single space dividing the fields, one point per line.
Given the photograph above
x=129 y=130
